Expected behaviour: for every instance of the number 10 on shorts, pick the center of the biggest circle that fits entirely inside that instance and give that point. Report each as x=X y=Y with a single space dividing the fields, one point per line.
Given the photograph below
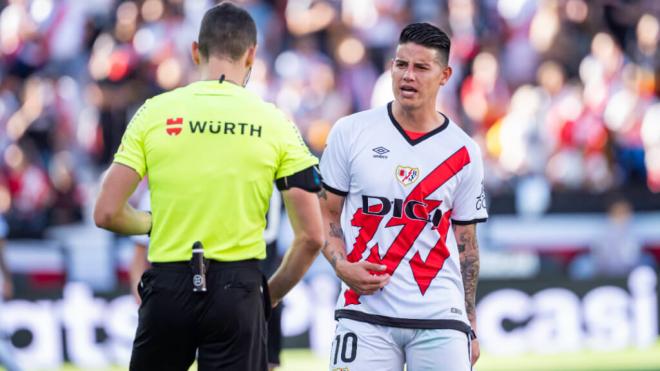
x=345 y=348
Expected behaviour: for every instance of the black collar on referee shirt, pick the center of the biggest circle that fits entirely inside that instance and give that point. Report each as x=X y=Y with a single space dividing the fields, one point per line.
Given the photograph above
x=423 y=137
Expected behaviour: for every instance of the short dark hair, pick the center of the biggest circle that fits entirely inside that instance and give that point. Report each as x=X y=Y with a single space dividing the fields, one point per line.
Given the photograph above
x=428 y=35
x=226 y=30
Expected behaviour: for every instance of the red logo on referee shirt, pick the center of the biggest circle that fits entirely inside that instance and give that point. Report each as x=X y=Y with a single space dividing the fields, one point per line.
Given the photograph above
x=174 y=126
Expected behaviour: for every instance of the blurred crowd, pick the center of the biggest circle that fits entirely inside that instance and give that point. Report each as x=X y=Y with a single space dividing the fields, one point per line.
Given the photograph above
x=560 y=94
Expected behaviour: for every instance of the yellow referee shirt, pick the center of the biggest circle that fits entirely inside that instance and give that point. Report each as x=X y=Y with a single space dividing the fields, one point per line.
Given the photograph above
x=211 y=151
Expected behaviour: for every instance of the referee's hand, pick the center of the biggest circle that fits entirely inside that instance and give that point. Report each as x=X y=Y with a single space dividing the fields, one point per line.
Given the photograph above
x=363 y=277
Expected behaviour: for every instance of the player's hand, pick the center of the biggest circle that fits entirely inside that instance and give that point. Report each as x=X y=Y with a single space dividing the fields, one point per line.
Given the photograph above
x=476 y=352
x=360 y=276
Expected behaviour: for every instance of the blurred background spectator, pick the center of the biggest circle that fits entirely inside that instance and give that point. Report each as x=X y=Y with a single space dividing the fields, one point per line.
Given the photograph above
x=564 y=92
x=563 y=96
x=617 y=252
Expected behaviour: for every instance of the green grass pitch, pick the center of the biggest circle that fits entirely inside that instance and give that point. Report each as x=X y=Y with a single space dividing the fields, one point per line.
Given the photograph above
x=626 y=360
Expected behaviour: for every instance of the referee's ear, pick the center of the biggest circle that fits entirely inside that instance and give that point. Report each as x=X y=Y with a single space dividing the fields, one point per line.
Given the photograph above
x=250 y=55
x=195 y=53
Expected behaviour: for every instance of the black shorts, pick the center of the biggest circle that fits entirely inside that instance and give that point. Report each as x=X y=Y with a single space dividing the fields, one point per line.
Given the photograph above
x=226 y=325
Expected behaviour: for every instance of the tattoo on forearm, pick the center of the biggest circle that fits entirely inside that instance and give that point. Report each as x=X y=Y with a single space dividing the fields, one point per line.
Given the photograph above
x=336 y=256
x=333 y=256
x=322 y=194
x=469 y=257
x=336 y=232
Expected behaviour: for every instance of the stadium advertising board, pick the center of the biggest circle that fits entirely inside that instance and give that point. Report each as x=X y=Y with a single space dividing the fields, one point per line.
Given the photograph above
x=567 y=316
x=514 y=317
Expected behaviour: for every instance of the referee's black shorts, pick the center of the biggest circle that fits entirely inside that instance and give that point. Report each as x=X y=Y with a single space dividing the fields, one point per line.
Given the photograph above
x=227 y=324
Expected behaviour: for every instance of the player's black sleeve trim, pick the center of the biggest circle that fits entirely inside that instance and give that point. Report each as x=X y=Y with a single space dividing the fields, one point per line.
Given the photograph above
x=425 y=324
x=308 y=179
x=334 y=190
x=468 y=222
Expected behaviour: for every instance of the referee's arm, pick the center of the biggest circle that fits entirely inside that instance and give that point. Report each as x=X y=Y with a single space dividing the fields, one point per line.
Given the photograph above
x=112 y=211
x=305 y=215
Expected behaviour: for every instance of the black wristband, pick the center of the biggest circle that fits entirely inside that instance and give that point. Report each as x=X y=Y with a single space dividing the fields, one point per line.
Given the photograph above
x=473 y=335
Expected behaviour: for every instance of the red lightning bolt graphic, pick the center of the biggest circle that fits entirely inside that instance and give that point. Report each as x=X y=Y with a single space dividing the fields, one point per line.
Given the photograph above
x=424 y=271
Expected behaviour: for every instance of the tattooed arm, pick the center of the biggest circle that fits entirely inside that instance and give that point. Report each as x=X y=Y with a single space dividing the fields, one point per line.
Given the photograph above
x=468 y=250
x=356 y=275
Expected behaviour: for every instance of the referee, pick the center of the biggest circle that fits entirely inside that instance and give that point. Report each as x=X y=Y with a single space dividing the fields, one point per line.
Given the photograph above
x=212 y=150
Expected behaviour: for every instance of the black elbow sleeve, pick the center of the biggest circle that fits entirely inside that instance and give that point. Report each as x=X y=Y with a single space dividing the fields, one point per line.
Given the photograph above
x=308 y=180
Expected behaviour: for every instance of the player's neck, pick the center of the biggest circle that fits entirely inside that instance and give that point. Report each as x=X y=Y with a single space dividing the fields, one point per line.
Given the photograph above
x=214 y=68
x=420 y=120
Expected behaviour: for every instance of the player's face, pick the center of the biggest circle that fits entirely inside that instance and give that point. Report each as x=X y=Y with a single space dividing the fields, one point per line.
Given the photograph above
x=417 y=74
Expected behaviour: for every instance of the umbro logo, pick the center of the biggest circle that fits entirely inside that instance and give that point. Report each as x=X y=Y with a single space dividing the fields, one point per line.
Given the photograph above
x=380 y=152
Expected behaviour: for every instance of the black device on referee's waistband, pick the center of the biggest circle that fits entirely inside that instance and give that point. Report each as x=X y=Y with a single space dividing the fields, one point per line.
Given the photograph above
x=199 y=266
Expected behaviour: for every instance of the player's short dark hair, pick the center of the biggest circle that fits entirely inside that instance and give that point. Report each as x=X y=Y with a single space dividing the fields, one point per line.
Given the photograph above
x=226 y=30
x=428 y=35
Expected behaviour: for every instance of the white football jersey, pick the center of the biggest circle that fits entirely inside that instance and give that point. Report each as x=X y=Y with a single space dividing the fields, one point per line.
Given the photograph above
x=401 y=198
